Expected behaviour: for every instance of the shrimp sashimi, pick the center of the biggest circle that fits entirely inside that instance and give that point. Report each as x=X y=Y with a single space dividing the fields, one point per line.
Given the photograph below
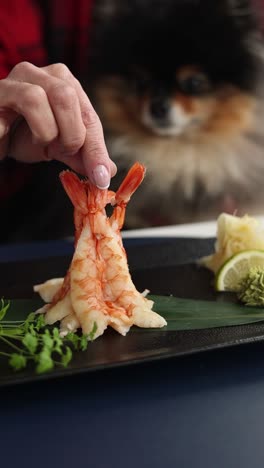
x=98 y=288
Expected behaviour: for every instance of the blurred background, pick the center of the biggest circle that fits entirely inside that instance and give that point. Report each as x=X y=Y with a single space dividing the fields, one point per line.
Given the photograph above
x=178 y=86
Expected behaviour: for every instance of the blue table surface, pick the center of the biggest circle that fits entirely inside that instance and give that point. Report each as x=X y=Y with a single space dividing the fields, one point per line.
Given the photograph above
x=200 y=411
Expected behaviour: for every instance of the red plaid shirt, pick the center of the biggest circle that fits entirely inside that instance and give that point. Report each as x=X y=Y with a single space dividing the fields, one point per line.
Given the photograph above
x=41 y=32
x=44 y=31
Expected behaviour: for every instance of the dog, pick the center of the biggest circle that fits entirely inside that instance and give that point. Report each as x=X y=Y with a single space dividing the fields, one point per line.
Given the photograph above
x=177 y=85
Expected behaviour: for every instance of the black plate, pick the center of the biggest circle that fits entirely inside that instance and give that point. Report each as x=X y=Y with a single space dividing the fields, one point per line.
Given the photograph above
x=164 y=267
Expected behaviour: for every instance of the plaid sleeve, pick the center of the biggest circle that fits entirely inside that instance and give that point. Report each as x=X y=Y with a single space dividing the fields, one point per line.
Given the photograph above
x=21 y=35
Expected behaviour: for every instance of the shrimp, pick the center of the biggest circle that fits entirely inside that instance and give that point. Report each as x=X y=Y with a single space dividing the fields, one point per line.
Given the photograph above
x=48 y=289
x=98 y=288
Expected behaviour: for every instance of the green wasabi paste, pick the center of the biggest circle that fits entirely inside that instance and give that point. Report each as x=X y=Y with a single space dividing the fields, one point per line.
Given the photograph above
x=251 y=288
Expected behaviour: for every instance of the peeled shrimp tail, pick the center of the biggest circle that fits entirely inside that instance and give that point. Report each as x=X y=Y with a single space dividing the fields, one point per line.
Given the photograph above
x=129 y=185
x=77 y=193
x=75 y=190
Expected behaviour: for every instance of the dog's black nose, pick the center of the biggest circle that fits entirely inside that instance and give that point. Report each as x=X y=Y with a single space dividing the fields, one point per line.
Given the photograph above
x=159 y=108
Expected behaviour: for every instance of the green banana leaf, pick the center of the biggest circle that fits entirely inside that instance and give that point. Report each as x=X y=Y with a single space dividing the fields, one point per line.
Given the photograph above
x=190 y=314
x=180 y=314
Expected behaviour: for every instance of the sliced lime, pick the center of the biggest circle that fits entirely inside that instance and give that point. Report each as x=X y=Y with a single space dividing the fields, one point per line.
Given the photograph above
x=236 y=268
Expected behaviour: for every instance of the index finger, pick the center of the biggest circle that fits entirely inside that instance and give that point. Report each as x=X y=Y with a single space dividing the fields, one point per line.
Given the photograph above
x=94 y=155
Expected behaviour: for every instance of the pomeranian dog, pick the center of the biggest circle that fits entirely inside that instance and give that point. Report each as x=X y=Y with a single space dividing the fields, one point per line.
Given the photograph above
x=177 y=85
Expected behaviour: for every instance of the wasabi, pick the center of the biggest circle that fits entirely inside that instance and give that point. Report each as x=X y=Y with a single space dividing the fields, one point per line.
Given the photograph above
x=251 y=287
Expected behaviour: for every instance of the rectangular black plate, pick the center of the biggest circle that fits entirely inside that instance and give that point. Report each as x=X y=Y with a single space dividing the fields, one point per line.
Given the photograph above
x=164 y=267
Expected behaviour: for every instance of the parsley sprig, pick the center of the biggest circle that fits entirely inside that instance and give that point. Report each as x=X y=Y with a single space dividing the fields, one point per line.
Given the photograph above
x=31 y=341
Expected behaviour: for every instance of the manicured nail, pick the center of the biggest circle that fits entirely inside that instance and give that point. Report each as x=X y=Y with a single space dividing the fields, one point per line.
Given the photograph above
x=101 y=177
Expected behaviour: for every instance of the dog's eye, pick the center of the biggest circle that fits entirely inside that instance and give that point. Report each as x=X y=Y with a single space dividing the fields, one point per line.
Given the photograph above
x=195 y=84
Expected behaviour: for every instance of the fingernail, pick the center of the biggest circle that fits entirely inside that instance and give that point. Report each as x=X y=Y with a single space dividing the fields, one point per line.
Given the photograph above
x=101 y=177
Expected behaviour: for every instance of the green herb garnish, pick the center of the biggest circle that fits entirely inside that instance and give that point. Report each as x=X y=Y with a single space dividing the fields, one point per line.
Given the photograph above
x=251 y=288
x=31 y=341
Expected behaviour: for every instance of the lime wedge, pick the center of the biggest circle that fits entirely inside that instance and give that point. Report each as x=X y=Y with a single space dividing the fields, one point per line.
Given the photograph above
x=236 y=268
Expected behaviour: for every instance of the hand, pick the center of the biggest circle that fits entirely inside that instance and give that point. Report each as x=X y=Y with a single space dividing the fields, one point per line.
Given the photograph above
x=45 y=114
